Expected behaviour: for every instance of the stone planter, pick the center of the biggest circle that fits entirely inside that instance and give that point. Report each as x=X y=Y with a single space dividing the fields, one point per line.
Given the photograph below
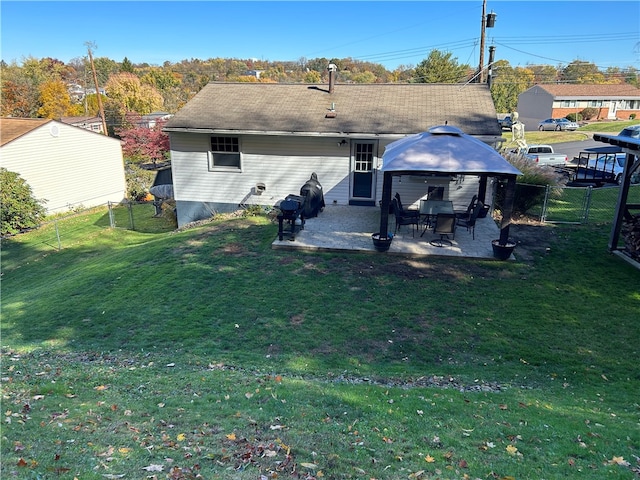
x=502 y=252
x=381 y=244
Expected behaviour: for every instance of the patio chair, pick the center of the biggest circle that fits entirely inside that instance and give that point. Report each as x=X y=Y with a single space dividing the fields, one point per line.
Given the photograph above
x=470 y=221
x=408 y=211
x=435 y=193
x=445 y=226
x=467 y=213
x=405 y=217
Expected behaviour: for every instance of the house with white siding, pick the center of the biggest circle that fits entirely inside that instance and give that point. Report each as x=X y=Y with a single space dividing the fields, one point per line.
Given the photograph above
x=68 y=166
x=238 y=144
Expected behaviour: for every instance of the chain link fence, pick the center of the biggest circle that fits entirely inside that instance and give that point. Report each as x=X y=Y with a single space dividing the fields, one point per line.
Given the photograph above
x=74 y=229
x=576 y=205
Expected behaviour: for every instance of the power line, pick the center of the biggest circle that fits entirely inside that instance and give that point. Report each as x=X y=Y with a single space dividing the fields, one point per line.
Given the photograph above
x=504 y=41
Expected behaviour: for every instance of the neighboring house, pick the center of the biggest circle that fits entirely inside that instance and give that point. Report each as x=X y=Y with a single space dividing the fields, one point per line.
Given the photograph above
x=68 y=166
x=256 y=143
x=92 y=123
x=558 y=100
x=150 y=120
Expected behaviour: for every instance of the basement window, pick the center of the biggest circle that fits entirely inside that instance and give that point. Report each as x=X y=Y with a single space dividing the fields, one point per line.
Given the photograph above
x=224 y=154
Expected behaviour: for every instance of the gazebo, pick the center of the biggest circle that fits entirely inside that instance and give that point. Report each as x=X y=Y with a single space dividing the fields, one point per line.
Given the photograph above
x=447 y=150
x=631 y=147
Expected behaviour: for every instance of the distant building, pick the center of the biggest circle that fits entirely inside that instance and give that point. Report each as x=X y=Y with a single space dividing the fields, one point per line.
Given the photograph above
x=544 y=101
x=93 y=123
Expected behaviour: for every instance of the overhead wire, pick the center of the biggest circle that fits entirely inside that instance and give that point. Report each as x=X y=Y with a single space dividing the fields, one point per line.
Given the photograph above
x=504 y=41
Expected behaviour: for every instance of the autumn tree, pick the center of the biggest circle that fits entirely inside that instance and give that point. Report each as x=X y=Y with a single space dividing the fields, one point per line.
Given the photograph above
x=312 y=77
x=582 y=72
x=126 y=90
x=440 y=67
x=15 y=100
x=143 y=145
x=544 y=73
x=55 y=101
x=508 y=83
x=126 y=66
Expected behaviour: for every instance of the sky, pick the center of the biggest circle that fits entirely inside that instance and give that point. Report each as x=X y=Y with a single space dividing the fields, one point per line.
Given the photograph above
x=391 y=33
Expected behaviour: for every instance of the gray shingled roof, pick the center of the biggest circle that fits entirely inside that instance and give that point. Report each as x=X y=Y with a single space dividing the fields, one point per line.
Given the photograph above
x=378 y=109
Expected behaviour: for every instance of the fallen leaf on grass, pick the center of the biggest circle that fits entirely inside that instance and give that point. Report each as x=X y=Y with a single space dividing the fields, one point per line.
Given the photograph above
x=312 y=466
x=511 y=450
x=153 y=468
x=429 y=459
x=618 y=461
x=231 y=436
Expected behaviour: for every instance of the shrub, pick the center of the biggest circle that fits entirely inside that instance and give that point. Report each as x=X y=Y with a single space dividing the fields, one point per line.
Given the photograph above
x=530 y=186
x=574 y=117
x=139 y=181
x=19 y=209
x=589 y=113
x=632 y=116
x=169 y=211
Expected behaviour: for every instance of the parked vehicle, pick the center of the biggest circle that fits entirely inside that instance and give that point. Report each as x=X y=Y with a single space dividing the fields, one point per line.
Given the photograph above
x=608 y=167
x=558 y=124
x=632 y=131
x=505 y=122
x=544 y=155
x=601 y=170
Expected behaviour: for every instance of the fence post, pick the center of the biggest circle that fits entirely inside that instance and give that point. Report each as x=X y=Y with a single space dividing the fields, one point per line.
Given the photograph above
x=130 y=206
x=543 y=216
x=587 y=204
x=112 y=220
x=55 y=223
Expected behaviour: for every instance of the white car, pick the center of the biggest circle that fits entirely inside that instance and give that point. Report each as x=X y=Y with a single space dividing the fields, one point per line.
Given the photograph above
x=610 y=167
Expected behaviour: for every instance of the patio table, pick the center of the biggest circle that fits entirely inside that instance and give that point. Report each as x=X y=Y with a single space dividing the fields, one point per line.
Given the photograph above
x=430 y=208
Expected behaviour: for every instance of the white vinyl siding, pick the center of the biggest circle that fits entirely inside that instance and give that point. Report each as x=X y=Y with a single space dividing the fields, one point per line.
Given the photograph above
x=277 y=162
x=70 y=167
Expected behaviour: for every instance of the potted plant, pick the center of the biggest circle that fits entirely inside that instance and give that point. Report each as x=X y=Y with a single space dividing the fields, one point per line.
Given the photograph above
x=381 y=244
x=502 y=251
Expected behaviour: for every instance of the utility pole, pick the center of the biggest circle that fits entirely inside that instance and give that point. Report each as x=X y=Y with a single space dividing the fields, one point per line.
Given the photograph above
x=95 y=81
x=488 y=21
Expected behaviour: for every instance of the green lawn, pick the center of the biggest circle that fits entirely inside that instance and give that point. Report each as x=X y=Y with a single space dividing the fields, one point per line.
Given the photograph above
x=206 y=354
x=533 y=136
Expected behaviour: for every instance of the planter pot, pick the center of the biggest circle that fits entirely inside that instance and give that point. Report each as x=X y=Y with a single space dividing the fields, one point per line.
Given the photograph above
x=502 y=252
x=381 y=244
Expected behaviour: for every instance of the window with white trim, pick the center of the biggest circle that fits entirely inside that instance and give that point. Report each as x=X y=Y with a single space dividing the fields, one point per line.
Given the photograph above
x=224 y=154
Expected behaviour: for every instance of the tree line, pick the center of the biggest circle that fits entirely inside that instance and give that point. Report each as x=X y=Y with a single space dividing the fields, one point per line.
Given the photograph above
x=40 y=88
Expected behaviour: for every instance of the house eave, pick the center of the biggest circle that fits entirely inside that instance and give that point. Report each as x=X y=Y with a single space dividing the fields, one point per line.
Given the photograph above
x=221 y=131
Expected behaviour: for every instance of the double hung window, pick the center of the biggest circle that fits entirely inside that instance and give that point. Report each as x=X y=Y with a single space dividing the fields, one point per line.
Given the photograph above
x=224 y=154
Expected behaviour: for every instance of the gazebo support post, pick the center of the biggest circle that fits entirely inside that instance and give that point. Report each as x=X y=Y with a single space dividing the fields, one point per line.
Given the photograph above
x=482 y=189
x=387 y=186
x=507 y=211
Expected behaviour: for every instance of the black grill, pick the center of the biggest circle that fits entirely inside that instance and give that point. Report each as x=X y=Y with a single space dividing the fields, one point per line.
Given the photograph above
x=291 y=217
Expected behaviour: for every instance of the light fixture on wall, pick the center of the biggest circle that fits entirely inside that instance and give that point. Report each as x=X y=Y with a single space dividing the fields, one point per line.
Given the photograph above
x=342 y=143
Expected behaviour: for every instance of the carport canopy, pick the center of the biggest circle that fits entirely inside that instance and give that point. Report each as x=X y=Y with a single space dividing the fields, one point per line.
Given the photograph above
x=448 y=150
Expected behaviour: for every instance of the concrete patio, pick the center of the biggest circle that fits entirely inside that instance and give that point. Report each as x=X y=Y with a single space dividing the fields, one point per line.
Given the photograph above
x=349 y=228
